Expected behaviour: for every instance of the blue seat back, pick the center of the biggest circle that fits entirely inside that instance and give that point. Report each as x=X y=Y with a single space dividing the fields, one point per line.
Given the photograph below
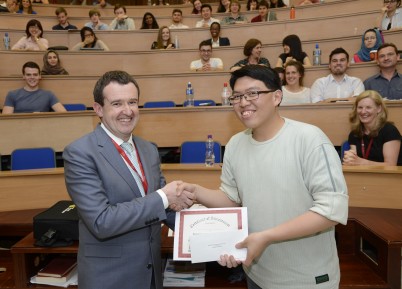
x=201 y=102
x=33 y=158
x=152 y=104
x=75 y=106
x=194 y=152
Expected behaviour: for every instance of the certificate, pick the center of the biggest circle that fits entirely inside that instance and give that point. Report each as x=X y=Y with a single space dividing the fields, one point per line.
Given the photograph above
x=206 y=221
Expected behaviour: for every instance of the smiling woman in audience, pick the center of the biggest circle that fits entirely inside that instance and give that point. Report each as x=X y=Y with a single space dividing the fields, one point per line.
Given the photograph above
x=293 y=91
x=164 y=40
x=292 y=50
x=196 y=7
x=89 y=40
x=26 y=7
x=371 y=40
x=149 y=21
x=51 y=64
x=223 y=6
x=373 y=140
x=33 y=41
x=252 y=50
x=252 y=5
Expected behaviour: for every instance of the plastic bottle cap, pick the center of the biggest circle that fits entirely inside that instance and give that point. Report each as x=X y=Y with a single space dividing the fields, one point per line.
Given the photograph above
x=316 y=45
x=210 y=136
x=6 y=34
x=225 y=84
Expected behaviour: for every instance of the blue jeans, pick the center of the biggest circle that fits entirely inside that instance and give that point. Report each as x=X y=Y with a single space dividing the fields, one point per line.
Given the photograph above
x=251 y=284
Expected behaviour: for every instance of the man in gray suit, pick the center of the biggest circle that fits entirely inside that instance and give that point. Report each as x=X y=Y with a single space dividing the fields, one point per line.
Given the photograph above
x=118 y=194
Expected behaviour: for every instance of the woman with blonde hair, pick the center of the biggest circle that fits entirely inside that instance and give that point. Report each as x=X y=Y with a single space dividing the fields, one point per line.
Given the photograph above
x=373 y=139
x=164 y=40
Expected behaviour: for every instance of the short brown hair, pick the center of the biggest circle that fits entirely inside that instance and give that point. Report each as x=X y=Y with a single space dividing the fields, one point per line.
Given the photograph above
x=92 y=12
x=60 y=10
x=249 y=46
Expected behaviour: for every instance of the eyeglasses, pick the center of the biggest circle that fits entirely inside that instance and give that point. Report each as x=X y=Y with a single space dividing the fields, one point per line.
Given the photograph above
x=88 y=35
x=249 y=95
x=389 y=1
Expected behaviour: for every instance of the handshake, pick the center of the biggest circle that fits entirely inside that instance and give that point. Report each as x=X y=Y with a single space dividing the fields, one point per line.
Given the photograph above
x=180 y=195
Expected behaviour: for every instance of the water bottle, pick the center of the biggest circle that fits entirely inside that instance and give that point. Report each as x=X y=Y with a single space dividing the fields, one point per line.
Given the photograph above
x=176 y=42
x=317 y=55
x=292 y=12
x=6 y=41
x=225 y=95
x=189 y=95
x=209 y=152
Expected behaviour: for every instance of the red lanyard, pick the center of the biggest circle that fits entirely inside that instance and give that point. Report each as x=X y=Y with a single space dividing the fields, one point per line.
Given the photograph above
x=127 y=159
x=364 y=152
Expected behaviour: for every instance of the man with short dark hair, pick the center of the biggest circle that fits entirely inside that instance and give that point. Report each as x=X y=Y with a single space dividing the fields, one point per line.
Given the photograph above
x=206 y=13
x=206 y=63
x=177 y=18
x=62 y=17
x=337 y=85
x=31 y=98
x=388 y=82
x=289 y=177
x=264 y=14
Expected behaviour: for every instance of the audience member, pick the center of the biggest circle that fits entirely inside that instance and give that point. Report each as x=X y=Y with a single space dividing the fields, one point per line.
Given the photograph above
x=149 y=21
x=235 y=16
x=207 y=19
x=289 y=177
x=293 y=91
x=95 y=23
x=196 y=7
x=115 y=180
x=373 y=140
x=371 y=40
x=252 y=50
x=160 y=2
x=276 y=4
x=62 y=17
x=33 y=39
x=9 y=6
x=122 y=21
x=164 y=40
x=177 y=18
x=264 y=14
x=307 y=2
x=337 y=85
x=187 y=2
x=206 y=63
x=391 y=15
x=216 y=40
x=40 y=2
x=292 y=50
x=31 y=98
x=51 y=64
x=89 y=41
x=388 y=82
x=101 y=3
x=26 y=7
x=223 y=6
x=252 y=5
x=281 y=73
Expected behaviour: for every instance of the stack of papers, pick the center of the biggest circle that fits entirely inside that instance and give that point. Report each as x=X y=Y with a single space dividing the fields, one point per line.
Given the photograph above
x=183 y=274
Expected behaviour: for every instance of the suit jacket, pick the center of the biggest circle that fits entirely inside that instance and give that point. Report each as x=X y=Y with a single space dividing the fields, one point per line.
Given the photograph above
x=223 y=41
x=119 y=229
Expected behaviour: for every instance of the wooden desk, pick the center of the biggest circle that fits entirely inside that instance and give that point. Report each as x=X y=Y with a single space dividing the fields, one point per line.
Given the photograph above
x=377 y=187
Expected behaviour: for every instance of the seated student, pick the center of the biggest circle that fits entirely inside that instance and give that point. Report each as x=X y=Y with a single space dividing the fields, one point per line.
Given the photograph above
x=235 y=17
x=292 y=50
x=40 y=1
x=223 y=6
x=252 y=5
x=371 y=40
x=95 y=23
x=216 y=40
x=62 y=17
x=31 y=98
x=391 y=15
x=89 y=40
x=206 y=63
x=33 y=40
x=122 y=21
x=177 y=18
x=164 y=40
x=26 y=7
x=252 y=50
x=101 y=3
x=207 y=19
x=149 y=21
x=51 y=64
x=264 y=13
x=196 y=7
x=276 y=4
x=9 y=6
x=373 y=140
x=293 y=92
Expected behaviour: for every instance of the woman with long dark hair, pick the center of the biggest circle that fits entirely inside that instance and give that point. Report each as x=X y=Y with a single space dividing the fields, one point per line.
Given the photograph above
x=89 y=40
x=33 y=41
x=149 y=21
x=292 y=50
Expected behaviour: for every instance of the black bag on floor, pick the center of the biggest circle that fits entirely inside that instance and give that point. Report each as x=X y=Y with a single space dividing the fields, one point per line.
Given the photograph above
x=57 y=226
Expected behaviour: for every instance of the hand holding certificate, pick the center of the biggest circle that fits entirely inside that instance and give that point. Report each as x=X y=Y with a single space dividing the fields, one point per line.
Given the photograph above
x=203 y=235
